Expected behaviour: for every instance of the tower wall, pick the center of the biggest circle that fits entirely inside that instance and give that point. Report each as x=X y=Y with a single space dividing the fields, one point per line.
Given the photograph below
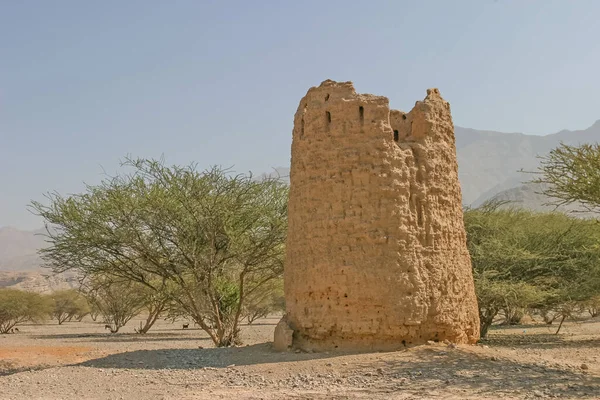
x=376 y=254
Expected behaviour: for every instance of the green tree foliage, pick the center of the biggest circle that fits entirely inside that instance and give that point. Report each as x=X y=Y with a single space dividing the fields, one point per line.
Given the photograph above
x=17 y=307
x=68 y=304
x=209 y=240
x=592 y=306
x=496 y=295
x=523 y=259
x=268 y=300
x=117 y=300
x=572 y=174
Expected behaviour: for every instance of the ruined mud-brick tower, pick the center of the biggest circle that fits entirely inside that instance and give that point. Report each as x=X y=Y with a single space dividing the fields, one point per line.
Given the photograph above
x=376 y=250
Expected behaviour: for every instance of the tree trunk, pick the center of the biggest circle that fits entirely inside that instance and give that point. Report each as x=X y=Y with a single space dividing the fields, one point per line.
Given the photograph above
x=81 y=317
x=484 y=327
x=152 y=317
x=209 y=331
x=6 y=328
x=486 y=318
x=548 y=318
x=234 y=335
x=197 y=317
x=559 y=325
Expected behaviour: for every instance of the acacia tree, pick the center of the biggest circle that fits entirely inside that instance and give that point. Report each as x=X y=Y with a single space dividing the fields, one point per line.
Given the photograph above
x=117 y=300
x=572 y=174
x=263 y=302
x=17 y=306
x=592 y=306
x=495 y=295
x=523 y=259
x=210 y=239
x=68 y=304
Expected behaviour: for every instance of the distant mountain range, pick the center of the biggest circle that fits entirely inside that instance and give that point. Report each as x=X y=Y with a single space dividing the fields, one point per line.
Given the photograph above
x=488 y=168
x=20 y=265
x=488 y=162
x=18 y=249
x=530 y=197
x=39 y=282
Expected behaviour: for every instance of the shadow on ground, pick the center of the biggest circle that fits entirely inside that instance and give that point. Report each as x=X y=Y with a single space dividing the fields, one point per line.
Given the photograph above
x=480 y=374
x=120 y=337
x=8 y=368
x=419 y=370
x=538 y=341
x=551 y=328
x=200 y=358
x=501 y=327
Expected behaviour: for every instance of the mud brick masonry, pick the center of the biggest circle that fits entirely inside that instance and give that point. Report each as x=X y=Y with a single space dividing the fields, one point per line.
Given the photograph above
x=376 y=254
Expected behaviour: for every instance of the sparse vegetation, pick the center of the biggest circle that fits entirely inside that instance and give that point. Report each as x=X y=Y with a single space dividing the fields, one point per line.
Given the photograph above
x=572 y=174
x=208 y=246
x=117 y=300
x=208 y=241
x=68 y=304
x=268 y=300
x=17 y=307
x=592 y=306
x=524 y=260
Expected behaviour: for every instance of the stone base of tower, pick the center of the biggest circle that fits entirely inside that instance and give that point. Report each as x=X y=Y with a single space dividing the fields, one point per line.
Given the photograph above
x=289 y=338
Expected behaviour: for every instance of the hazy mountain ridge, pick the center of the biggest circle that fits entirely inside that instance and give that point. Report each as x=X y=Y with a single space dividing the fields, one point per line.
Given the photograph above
x=488 y=161
x=529 y=196
x=18 y=249
x=39 y=282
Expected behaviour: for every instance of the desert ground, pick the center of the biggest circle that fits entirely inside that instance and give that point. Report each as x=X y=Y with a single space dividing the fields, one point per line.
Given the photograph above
x=80 y=360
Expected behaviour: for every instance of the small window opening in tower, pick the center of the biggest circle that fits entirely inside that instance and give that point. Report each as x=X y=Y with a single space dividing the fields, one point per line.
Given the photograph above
x=328 y=114
x=403 y=116
x=361 y=112
x=396 y=135
x=327 y=97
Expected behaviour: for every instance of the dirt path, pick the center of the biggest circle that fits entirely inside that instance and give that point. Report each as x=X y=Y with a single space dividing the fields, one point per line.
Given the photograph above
x=79 y=361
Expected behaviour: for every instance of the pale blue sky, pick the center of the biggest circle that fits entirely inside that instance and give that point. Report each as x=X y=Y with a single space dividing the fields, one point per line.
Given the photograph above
x=83 y=83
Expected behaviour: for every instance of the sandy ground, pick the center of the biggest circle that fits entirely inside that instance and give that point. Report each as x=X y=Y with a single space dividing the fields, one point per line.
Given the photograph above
x=83 y=361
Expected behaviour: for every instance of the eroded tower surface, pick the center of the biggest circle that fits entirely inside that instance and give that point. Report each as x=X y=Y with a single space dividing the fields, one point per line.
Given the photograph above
x=376 y=254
